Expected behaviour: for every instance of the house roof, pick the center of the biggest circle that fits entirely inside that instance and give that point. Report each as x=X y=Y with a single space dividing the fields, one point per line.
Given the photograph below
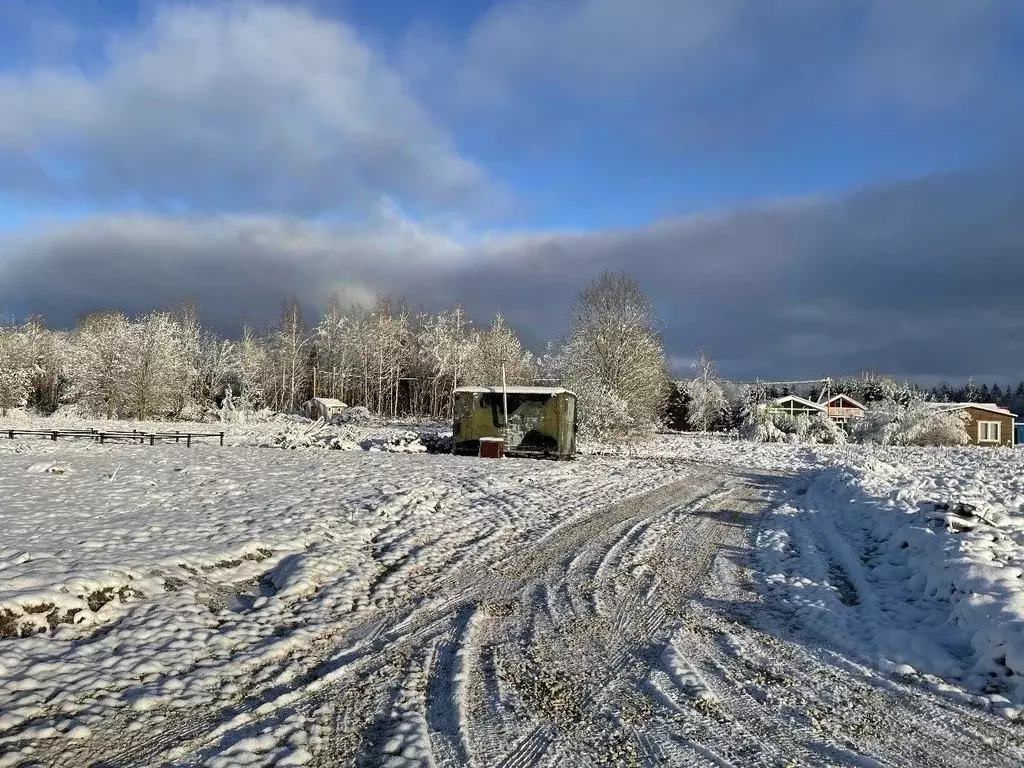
x=797 y=399
x=329 y=402
x=515 y=390
x=989 y=407
x=846 y=397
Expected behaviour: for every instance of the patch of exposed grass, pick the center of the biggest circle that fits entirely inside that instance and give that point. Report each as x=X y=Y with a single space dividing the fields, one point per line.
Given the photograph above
x=12 y=626
x=101 y=597
x=259 y=555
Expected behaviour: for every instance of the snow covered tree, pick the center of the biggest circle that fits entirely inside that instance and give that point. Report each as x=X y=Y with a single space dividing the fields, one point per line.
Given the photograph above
x=551 y=364
x=251 y=365
x=708 y=404
x=916 y=423
x=494 y=346
x=614 y=354
x=217 y=367
x=292 y=344
x=334 y=353
x=921 y=425
x=15 y=369
x=821 y=429
x=48 y=351
x=972 y=394
x=609 y=414
x=191 y=360
x=152 y=383
x=102 y=362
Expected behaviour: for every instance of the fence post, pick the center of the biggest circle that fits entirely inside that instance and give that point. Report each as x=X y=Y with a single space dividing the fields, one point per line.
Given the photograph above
x=151 y=438
x=10 y=434
x=188 y=440
x=103 y=437
x=222 y=439
x=53 y=436
x=175 y=435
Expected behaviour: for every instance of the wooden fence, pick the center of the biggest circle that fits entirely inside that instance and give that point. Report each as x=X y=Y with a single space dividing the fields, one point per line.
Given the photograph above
x=116 y=435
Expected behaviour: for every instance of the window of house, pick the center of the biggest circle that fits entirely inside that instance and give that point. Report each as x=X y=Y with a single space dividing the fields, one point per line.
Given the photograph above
x=988 y=431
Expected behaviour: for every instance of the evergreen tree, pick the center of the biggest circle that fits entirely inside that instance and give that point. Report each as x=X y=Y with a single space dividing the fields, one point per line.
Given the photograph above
x=676 y=409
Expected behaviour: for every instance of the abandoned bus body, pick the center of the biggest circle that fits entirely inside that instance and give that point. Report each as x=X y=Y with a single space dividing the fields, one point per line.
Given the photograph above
x=541 y=420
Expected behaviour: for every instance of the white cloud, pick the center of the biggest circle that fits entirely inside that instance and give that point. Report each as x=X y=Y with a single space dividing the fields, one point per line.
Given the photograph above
x=706 y=65
x=238 y=105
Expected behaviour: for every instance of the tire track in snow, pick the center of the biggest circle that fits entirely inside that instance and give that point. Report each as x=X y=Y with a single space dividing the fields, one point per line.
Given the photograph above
x=446 y=694
x=597 y=648
x=635 y=622
x=883 y=708
x=680 y=571
x=611 y=560
x=411 y=626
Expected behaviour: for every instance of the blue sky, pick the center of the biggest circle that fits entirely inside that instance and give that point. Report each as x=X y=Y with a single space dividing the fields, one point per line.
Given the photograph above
x=496 y=130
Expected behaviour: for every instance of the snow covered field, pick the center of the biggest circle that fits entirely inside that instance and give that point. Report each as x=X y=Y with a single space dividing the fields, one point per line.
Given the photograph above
x=699 y=601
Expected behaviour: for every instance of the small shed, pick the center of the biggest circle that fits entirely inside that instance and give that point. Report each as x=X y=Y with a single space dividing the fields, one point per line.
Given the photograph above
x=989 y=424
x=843 y=408
x=541 y=420
x=324 y=408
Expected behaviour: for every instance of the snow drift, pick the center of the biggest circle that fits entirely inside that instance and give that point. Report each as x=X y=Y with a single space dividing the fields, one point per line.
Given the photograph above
x=913 y=560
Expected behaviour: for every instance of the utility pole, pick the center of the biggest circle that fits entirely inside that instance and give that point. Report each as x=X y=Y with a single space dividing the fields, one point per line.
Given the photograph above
x=504 y=398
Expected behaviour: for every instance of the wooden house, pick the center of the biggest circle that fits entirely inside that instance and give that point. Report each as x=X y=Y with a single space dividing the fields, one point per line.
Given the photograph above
x=843 y=408
x=989 y=424
x=793 y=405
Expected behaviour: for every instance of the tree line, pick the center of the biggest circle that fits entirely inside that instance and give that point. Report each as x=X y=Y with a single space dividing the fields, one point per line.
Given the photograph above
x=709 y=402
x=398 y=361
x=388 y=357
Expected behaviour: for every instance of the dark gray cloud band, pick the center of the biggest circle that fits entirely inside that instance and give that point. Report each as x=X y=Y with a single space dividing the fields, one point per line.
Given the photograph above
x=923 y=279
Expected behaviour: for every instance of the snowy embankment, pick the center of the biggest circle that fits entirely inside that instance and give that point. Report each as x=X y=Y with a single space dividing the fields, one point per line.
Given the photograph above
x=913 y=561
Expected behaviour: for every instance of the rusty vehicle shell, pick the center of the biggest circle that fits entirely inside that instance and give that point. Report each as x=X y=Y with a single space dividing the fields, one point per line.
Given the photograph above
x=542 y=421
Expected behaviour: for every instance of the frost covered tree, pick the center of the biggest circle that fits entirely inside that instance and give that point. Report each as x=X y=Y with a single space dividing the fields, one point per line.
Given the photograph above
x=496 y=345
x=614 y=355
x=917 y=422
x=153 y=370
x=15 y=369
x=48 y=354
x=551 y=364
x=102 y=362
x=251 y=365
x=708 y=404
x=292 y=343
